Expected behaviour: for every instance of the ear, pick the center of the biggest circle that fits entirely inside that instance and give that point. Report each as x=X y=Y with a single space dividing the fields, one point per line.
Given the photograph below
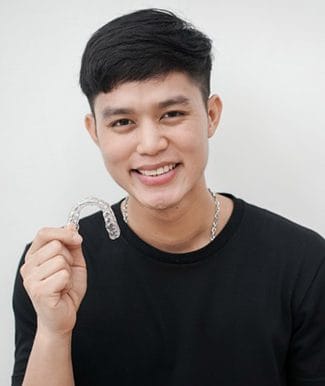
x=214 y=114
x=90 y=124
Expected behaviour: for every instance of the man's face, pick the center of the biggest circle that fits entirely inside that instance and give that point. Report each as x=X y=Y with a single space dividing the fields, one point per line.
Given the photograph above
x=153 y=136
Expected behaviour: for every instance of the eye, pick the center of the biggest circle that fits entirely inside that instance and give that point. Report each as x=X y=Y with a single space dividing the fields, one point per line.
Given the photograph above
x=173 y=114
x=121 y=122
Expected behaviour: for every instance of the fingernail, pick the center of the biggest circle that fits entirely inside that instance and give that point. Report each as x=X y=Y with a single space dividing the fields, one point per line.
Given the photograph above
x=76 y=236
x=71 y=226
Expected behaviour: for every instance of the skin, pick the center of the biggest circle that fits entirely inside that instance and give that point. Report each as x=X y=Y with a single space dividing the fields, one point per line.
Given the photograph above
x=169 y=124
x=55 y=278
x=135 y=128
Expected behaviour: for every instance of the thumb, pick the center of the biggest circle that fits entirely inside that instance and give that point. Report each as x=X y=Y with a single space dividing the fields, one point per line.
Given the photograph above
x=78 y=257
x=76 y=249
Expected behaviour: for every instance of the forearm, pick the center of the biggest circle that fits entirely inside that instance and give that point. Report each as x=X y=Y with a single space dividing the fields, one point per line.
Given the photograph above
x=50 y=361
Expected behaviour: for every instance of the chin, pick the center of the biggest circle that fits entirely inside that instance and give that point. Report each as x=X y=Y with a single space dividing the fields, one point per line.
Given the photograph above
x=159 y=203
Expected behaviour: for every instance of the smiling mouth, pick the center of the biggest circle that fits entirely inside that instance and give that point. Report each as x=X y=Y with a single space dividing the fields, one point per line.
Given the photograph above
x=156 y=172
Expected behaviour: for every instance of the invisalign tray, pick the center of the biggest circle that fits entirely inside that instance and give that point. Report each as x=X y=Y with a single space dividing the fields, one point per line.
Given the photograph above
x=111 y=224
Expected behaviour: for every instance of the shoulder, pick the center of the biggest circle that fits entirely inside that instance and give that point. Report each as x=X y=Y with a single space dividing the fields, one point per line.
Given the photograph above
x=274 y=239
x=280 y=230
x=295 y=252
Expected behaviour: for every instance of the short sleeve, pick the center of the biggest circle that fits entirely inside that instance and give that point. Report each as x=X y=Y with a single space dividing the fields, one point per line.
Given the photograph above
x=25 y=326
x=306 y=358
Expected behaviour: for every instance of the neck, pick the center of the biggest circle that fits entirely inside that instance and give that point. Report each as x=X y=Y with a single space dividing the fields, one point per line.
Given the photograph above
x=182 y=228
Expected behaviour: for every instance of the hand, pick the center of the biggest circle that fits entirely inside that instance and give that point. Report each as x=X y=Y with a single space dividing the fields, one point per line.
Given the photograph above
x=55 y=278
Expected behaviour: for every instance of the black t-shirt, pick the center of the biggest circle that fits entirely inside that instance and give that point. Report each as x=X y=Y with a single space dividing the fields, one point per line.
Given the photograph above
x=248 y=309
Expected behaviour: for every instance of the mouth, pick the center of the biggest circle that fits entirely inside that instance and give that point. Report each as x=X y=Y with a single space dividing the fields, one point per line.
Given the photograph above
x=149 y=172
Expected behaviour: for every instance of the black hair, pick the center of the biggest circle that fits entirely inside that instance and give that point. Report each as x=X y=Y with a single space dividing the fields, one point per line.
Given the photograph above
x=142 y=45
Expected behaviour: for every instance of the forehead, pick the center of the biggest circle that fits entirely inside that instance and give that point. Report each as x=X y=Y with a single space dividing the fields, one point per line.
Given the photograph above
x=150 y=93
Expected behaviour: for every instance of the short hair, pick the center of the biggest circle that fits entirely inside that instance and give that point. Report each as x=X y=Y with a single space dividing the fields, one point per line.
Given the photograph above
x=141 y=45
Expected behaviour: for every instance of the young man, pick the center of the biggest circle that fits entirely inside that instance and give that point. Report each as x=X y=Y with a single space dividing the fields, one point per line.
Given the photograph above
x=200 y=288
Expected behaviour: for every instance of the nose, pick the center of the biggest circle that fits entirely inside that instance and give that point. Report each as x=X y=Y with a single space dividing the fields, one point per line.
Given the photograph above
x=150 y=139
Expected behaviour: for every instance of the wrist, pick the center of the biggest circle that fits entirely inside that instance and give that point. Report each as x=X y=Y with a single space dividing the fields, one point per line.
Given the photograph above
x=48 y=335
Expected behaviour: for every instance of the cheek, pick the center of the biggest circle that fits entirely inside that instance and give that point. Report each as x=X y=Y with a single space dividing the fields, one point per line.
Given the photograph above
x=194 y=141
x=197 y=148
x=115 y=150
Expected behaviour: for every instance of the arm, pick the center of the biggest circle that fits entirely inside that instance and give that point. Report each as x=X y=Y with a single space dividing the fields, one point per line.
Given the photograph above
x=50 y=359
x=54 y=276
x=306 y=356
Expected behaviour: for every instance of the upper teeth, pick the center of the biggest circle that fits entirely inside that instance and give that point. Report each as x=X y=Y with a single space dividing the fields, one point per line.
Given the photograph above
x=157 y=172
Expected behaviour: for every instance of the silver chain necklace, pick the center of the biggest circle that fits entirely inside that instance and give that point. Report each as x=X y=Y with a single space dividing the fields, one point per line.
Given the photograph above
x=213 y=231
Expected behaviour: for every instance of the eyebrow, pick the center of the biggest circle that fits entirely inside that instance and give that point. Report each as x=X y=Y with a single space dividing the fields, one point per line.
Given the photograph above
x=177 y=100
x=109 y=111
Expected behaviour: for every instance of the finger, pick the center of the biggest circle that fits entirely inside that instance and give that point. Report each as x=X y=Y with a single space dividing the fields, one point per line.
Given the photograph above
x=56 y=283
x=35 y=274
x=78 y=258
x=67 y=235
x=52 y=285
x=71 y=227
x=48 y=251
x=50 y=267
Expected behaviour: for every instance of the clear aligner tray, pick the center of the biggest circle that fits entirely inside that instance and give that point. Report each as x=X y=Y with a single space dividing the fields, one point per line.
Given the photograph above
x=111 y=224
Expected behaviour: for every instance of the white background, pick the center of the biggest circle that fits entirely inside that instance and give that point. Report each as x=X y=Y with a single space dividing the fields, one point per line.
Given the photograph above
x=269 y=70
